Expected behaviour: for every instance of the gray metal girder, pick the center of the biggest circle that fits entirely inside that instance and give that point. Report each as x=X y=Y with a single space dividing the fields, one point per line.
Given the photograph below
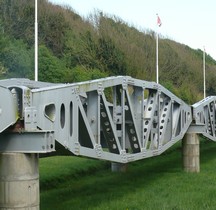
x=119 y=119
x=27 y=142
x=204 y=115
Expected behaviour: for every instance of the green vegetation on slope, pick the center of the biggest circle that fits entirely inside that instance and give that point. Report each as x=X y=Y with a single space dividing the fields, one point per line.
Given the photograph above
x=154 y=183
x=74 y=49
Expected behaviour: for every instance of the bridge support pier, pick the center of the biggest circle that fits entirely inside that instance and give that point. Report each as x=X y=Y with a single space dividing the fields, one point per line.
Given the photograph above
x=191 y=152
x=19 y=181
x=118 y=167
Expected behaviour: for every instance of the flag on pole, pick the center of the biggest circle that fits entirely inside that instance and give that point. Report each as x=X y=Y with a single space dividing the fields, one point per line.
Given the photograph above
x=159 y=23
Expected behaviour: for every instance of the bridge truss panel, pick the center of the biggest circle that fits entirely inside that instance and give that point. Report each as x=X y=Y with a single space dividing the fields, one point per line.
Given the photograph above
x=119 y=119
x=205 y=116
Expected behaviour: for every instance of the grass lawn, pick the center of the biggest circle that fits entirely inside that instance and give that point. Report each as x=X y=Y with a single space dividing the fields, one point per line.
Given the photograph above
x=156 y=183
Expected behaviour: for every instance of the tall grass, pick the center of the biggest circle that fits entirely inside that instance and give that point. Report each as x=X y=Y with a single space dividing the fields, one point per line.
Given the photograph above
x=155 y=183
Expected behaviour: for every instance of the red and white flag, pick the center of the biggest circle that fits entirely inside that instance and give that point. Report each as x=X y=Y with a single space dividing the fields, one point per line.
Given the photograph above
x=159 y=23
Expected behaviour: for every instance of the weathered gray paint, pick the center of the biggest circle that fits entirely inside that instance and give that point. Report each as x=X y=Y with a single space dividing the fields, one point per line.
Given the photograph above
x=120 y=119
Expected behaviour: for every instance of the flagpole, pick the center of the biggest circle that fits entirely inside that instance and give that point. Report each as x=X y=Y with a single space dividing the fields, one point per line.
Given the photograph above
x=157 y=35
x=36 y=40
x=157 y=68
x=204 y=74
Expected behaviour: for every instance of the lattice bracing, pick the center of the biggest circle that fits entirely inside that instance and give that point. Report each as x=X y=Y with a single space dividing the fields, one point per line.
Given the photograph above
x=119 y=119
x=205 y=115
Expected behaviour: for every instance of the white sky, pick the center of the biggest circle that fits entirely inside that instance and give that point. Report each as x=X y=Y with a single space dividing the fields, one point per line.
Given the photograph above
x=191 y=22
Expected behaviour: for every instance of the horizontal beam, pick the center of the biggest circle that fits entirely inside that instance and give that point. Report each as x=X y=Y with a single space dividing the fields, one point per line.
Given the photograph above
x=197 y=129
x=27 y=142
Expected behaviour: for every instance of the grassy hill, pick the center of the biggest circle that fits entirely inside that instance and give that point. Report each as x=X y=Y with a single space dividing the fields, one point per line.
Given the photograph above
x=74 y=49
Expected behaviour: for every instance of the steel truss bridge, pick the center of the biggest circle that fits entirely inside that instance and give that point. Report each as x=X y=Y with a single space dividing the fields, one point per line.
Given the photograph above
x=119 y=119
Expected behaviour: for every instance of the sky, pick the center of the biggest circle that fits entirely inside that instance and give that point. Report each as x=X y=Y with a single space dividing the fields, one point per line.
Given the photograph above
x=190 y=22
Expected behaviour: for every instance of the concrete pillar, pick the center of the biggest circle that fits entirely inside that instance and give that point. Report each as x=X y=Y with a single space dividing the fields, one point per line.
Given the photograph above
x=118 y=167
x=19 y=181
x=191 y=152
